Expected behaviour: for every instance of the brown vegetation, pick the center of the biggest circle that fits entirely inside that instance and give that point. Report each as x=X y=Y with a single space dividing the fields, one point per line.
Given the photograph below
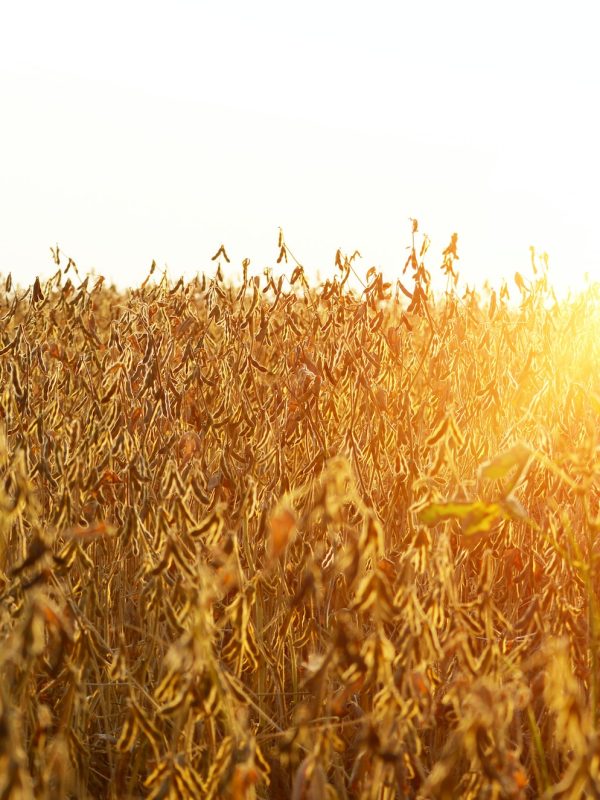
x=274 y=540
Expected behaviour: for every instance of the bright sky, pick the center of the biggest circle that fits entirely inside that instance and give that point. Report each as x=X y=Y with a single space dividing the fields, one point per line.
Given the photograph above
x=132 y=131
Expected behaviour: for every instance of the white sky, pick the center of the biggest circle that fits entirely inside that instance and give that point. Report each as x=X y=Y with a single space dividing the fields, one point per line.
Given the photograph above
x=134 y=131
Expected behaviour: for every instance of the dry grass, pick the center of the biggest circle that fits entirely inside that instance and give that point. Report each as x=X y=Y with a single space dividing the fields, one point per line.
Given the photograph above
x=276 y=540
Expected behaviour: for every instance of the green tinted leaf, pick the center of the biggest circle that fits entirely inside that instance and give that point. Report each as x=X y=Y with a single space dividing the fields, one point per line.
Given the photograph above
x=482 y=525
x=470 y=513
x=499 y=466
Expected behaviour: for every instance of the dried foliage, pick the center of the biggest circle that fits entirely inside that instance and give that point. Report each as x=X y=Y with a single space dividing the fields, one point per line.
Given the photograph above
x=281 y=541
